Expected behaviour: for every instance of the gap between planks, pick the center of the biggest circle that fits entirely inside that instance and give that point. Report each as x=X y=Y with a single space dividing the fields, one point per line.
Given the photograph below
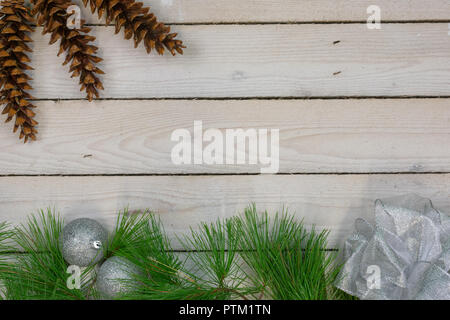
x=331 y=173
x=257 y=23
x=249 y=98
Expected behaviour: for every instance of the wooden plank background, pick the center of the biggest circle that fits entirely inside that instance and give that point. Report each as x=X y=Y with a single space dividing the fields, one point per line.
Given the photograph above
x=224 y=61
x=363 y=114
x=328 y=201
x=283 y=11
x=316 y=136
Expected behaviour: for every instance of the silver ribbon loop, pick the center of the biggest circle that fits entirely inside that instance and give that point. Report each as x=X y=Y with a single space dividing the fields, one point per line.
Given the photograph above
x=409 y=246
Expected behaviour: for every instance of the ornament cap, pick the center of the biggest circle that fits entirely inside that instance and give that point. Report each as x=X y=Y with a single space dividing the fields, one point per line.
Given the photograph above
x=97 y=244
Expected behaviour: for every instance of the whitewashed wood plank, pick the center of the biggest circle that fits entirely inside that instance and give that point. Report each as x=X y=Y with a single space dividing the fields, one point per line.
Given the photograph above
x=320 y=136
x=328 y=201
x=241 y=11
x=264 y=61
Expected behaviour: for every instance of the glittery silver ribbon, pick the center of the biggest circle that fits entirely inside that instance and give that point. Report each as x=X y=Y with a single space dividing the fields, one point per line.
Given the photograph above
x=406 y=255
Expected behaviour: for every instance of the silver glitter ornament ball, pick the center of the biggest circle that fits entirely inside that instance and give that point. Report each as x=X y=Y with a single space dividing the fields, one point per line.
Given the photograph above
x=82 y=242
x=116 y=276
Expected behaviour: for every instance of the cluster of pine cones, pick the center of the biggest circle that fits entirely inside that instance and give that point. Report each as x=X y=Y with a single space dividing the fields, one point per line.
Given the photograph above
x=16 y=21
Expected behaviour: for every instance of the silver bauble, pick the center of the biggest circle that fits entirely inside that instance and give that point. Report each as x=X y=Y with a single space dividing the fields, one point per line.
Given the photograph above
x=82 y=242
x=116 y=276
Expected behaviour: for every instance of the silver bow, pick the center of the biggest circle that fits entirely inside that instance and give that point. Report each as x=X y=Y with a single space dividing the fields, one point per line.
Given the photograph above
x=405 y=256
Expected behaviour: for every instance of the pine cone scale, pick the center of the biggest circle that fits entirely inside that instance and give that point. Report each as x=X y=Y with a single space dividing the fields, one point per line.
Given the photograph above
x=136 y=21
x=138 y=24
x=74 y=42
x=14 y=22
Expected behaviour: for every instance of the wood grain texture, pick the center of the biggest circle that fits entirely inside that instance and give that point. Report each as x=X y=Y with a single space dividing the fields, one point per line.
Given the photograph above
x=328 y=201
x=316 y=136
x=264 y=61
x=242 y=11
x=245 y=60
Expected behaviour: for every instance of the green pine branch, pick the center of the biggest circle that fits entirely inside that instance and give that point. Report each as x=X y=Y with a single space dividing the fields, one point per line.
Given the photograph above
x=38 y=270
x=214 y=251
x=252 y=256
x=141 y=239
x=287 y=261
x=5 y=235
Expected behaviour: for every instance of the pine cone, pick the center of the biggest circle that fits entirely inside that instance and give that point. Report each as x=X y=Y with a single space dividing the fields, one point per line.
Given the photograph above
x=53 y=16
x=15 y=21
x=138 y=23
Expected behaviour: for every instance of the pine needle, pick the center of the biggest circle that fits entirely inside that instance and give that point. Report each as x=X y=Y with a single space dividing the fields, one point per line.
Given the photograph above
x=39 y=271
x=289 y=262
x=214 y=251
x=247 y=257
x=140 y=238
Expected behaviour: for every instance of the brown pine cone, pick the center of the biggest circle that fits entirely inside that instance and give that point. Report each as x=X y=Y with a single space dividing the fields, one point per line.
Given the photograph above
x=138 y=23
x=15 y=20
x=75 y=42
